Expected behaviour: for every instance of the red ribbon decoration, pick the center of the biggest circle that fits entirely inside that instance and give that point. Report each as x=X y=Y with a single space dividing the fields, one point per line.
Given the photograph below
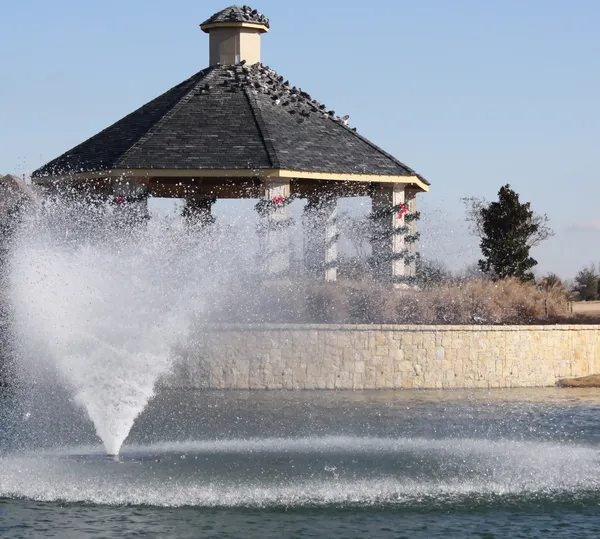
x=278 y=201
x=402 y=211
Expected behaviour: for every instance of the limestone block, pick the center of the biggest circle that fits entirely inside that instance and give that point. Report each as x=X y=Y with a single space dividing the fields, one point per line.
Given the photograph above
x=405 y=366
x=299 y=375
x=397 y=354
x=320 y=384
x=382 y=351
x=428 y=340
x=344 y=380
x=370 y=373
x=385 y=382
x=313 y=370
x=358 y=381
x=449 y=380
x=329 y=381
x=444 y=366
x=241 y=381
x=255 y=381
x=429 y=378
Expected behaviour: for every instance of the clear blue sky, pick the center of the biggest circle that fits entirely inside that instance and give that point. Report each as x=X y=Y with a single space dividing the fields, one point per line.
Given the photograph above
x=470 y=93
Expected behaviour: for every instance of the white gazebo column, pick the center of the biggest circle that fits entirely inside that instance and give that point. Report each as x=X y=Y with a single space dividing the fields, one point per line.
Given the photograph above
x=130 y=198
x=321 y=237
x=410 y=196
x=274 y=228
x=388 y=237
x=198 y=211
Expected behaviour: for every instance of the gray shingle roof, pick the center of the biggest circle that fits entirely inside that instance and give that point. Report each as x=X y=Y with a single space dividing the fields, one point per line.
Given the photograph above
x=238 y=14
x=230 y=117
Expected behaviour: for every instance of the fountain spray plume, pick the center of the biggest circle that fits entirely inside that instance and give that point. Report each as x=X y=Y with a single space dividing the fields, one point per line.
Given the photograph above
x=101 y=303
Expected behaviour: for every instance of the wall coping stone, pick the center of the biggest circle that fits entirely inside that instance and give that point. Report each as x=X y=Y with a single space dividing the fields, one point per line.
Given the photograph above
x=394 y=327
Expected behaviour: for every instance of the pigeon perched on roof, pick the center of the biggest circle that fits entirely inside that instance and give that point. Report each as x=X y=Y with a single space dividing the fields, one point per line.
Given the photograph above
x=237 y=14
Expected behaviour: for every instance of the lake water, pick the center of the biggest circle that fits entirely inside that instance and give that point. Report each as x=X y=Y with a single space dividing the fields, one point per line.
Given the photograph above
x=414 y=464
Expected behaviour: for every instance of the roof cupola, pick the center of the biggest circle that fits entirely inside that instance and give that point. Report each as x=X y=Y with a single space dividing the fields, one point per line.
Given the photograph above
x=235 y=35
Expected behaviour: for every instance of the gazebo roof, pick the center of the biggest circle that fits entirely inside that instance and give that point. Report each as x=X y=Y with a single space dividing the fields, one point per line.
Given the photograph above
x=231 y=117
x=237 y=14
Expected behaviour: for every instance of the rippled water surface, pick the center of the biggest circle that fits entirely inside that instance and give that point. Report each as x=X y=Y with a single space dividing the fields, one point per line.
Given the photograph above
x=509 y=463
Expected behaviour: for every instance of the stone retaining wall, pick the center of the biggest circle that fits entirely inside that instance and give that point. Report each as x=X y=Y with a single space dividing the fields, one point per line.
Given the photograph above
x=386 y=357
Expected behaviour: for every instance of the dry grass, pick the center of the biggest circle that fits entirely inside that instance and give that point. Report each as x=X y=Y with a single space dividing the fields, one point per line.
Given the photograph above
x=369 y=302
x=587 y=308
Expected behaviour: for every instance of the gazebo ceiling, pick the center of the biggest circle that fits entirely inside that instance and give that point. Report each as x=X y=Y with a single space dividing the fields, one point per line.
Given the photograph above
x=233 y=121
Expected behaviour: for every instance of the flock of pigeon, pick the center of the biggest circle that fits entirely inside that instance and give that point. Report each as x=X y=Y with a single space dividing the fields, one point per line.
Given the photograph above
x=239 y=14
x=260 y=79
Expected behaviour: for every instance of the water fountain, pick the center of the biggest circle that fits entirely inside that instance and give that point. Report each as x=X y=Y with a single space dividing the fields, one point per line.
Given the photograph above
x=100 y=312
x=102 y=307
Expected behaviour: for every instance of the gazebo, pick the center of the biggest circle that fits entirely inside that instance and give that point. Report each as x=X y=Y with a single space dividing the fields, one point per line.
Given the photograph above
x=237 y=129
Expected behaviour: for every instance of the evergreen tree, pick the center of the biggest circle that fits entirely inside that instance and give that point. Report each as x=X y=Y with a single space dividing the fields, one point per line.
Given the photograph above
x=587 y=283
x=507 y=229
